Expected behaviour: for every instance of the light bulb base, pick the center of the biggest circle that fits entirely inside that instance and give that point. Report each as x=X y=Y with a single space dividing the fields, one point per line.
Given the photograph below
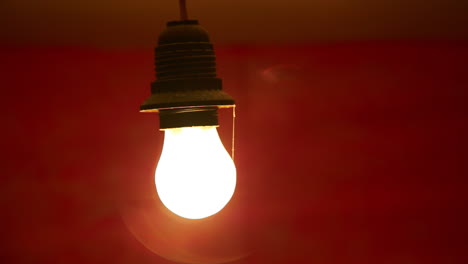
x=188 y=117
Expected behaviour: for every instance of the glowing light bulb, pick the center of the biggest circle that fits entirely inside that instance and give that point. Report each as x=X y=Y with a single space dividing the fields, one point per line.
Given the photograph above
x=195 y=177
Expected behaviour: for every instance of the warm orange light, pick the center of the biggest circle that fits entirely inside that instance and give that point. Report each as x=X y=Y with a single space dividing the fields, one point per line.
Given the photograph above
x=195 y=177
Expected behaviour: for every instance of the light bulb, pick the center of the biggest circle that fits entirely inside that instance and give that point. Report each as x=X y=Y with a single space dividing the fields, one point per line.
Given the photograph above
x=195 y=177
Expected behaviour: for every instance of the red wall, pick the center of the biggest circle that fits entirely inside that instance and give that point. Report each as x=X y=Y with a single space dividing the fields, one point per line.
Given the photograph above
x=346 y=153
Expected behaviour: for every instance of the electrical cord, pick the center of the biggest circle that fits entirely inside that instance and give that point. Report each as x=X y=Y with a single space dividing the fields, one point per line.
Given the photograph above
x=183 y=10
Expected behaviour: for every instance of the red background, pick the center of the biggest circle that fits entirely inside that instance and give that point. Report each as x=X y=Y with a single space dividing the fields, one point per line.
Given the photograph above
x=346 y=153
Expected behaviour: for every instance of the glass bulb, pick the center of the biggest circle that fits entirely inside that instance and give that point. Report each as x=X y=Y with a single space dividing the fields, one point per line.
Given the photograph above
x=195 y=177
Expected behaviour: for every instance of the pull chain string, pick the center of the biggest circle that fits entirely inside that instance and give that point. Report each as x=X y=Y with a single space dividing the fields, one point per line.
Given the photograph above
x=233 y=130
x=183 y=10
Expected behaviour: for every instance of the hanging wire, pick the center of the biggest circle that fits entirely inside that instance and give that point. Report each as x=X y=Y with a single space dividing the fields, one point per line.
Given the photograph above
x=183 y=10
x=233 y=130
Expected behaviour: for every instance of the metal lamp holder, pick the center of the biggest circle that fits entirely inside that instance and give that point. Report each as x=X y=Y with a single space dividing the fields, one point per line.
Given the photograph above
x=187 y=91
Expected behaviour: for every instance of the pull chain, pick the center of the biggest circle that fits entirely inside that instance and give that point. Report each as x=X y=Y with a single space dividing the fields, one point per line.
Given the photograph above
x=233 y=130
